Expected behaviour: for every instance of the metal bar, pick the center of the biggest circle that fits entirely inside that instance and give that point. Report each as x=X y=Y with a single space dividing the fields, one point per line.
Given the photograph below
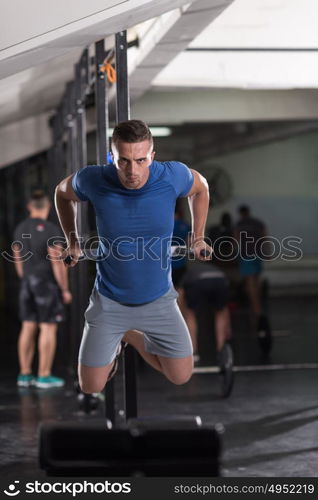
x=81 y=157
x=110 y=401
x=101 y=104
x=80 y=117
x=133 y=43
x=81 y=143
x=85 y=68
x=122 y=101
x=122 y=114
x=130 y=383
x=69 y=124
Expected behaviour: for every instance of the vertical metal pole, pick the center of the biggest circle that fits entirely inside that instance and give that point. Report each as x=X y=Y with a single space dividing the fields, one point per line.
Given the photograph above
x=122 y=108
x=80 y=112
x=81 y=157
x=56 y=174
x=81 y=143
x=69 y=110
x=101 y=104
x=122 y=114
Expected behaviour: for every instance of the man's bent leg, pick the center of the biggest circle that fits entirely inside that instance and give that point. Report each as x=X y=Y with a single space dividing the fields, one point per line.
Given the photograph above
x=93 y=379
x=177 y=370
x=135 y=338
x=190 y=318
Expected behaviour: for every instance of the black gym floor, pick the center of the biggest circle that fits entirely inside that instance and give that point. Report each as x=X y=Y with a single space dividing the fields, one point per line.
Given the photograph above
x=270 y=421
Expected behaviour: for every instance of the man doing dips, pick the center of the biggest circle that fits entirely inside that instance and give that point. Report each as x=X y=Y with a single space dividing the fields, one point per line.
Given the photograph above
x=133 y=299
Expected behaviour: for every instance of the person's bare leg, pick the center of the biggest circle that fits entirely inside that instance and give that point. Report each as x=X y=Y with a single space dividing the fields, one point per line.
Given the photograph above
x=222 y=327
x=254 y=294
x=93 y=379
x=46 y=347
x=192 y=324
x=177 y=370
x=135 y=338
x=26 y=346
x=190 y=319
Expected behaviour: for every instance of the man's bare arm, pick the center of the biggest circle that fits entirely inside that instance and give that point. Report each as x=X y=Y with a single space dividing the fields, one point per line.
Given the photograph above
x=17 y=261
x=60 y=271
x=66 y=208
x=198 y=198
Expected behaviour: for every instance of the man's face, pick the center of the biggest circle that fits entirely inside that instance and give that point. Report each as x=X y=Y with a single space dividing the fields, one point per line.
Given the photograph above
x=132 y=161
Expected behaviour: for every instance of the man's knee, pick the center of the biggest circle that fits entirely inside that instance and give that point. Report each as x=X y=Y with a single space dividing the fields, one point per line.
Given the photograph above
x=92 y=380
x=180 y=378
x=91 y=387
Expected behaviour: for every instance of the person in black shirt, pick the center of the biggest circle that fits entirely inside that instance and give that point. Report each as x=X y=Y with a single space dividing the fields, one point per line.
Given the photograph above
x=43 y=291
x=205 y=284
x=250 y=232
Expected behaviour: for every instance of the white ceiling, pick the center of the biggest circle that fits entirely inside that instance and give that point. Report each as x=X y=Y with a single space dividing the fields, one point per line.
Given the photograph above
x=37 y=55
x=44 y=30
x=58 y=35
x=252 y=24
x=38 y=50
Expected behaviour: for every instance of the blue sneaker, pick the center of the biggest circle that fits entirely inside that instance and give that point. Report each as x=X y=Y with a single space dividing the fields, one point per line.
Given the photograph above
x=25 y=380
x=48 y=382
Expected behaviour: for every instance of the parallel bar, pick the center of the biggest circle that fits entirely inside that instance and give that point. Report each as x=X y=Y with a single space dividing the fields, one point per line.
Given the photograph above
x=130 y=383
x=123 y=114
x=110 y=413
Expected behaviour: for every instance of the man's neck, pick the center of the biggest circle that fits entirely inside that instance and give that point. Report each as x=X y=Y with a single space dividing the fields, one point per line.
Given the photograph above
x=38 y=215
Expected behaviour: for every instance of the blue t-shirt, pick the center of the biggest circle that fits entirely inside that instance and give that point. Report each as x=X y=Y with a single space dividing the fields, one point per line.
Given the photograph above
x=134 y=227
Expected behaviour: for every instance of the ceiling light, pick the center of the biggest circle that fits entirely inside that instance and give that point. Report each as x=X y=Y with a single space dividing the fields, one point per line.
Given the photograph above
x=156 y=131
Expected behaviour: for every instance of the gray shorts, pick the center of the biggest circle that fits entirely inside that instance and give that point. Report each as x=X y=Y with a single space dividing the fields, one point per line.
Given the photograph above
x=106 y=322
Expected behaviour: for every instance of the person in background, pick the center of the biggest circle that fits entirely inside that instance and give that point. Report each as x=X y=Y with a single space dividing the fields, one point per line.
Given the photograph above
x=248 y=231
x=181 y=236
x=181 y=232
x=205 y=284
x=223 y=230
x=224 y=246
x=43 y=291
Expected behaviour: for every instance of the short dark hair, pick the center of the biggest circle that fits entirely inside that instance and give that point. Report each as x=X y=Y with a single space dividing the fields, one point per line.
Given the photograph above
x=244 y=210
x=39 y=199
x=132 y=131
